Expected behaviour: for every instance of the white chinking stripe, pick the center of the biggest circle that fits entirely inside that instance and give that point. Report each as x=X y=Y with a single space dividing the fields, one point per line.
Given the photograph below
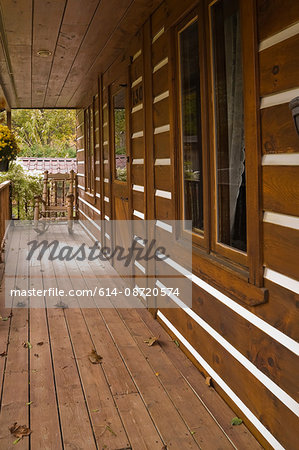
x=164 y=226
x=80 y=150
x=79 y=138
x=97 y=163
x=142 y=294
x=281 y=159
x=279 y=99
x=105 y=124
x=279 y=37
x=137 y=81
x=89 y=205
x=80 y=187
x=137 y=54
x=97 y=145
x=108 y=236
x=156 y=37
x=139 y=240
x=90 y=220
x=286 y=399
x=138 y=188
x=162 y=162
x=98 y=179
x=106 y=199
x=137 y=135
x=281 y=219
x=162 y=129
x=98 y=195
x=273 y=332
x=253 y=419
x=160 y=65
x=138 y=214
x=161 y=97
x=105 y=106
x=140 y=267
x=80 y=174
x=106 y=180
x=107 y=218
x=164 y=194
x=282 y=280
x=138 y=161
x=137 y=108
x=87 y=230
x=80 y=162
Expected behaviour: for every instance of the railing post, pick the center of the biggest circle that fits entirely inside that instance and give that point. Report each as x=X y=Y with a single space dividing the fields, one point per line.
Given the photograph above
x=70 y=213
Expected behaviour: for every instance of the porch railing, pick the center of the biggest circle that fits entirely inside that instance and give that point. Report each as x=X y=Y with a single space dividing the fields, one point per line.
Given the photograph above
x=5 y=211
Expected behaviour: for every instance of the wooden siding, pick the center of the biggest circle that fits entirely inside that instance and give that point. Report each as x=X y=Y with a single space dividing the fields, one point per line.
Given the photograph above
x=245 y=334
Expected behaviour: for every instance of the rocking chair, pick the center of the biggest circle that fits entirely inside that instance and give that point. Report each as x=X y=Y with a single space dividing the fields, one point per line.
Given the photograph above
x=57 y=202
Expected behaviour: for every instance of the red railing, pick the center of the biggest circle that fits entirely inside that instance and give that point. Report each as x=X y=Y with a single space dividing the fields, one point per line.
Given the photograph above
x=5 y=211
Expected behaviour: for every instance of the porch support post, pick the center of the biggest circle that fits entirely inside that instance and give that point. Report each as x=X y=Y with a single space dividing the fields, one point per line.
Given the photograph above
x=8 y=118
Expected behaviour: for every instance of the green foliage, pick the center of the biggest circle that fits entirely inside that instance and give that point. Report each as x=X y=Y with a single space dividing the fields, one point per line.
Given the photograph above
x=8 y=144
x=236 y=421
x=24 y=188
x=121 y=174
x=120 y=131
x=45 y=132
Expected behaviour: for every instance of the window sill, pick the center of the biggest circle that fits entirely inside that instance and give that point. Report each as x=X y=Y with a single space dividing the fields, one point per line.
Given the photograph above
x=230 y=279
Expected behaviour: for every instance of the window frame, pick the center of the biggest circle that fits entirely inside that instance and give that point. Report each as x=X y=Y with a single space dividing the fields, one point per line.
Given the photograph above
x=248 y=264
x=200 y=238
x=89 y=148
x=116 y=87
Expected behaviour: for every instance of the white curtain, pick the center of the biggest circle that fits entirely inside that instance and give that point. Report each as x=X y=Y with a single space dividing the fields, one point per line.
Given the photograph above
x=235 y=108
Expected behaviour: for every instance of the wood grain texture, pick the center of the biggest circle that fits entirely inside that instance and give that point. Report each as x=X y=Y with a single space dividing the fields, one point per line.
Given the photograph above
x=281 y=249
x=279 y=67
x=278 y=130
x=275 y=15
x=280 y=189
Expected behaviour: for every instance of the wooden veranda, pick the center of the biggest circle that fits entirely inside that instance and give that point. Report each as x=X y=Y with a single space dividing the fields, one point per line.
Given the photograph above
x=137 y=397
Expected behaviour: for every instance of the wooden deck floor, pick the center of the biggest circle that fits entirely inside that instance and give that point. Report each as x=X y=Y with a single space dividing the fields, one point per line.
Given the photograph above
x=138 y=397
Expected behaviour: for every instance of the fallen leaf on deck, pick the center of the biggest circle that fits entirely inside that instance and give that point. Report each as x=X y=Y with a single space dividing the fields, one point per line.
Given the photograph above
x=29 y=403
x=193 y=432
x=3 y=354
x=151 y=341
x=4 y=319
x=208 y=381
x=40 y=343
x=94 y=358
x=36 y=355
x=95 y=410
x=236 y=421
x=110 y=429
x=19 y=431
x=16 y=441
x=157 y=374
x=177 y=343
x=27 y=345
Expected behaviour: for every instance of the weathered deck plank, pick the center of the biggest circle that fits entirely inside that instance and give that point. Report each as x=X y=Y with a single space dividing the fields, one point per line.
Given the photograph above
x=138 y=397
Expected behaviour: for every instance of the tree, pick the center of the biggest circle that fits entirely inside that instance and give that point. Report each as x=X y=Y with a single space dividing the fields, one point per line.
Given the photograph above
x=24 y=188
x=45 y=132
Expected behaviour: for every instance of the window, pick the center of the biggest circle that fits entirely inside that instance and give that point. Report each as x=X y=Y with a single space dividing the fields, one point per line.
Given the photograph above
x=89 y=148
x=120 y=151
x=190 y=112
x=229 y=124
x=212 y=118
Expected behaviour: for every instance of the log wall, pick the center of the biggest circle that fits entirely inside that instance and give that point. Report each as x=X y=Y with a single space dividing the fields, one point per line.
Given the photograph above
x=242 y=334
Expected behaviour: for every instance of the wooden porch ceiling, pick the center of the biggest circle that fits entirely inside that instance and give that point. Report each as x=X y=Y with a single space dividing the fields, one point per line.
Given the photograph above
x=83 y=36
x=138 y=397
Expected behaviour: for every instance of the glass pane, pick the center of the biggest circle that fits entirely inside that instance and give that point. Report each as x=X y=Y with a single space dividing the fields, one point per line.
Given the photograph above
x=119 y=101
x=229 y=119
x=191 y=125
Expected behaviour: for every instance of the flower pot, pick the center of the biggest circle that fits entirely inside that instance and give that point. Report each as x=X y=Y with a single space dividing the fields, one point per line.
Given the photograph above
x=4 y=165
